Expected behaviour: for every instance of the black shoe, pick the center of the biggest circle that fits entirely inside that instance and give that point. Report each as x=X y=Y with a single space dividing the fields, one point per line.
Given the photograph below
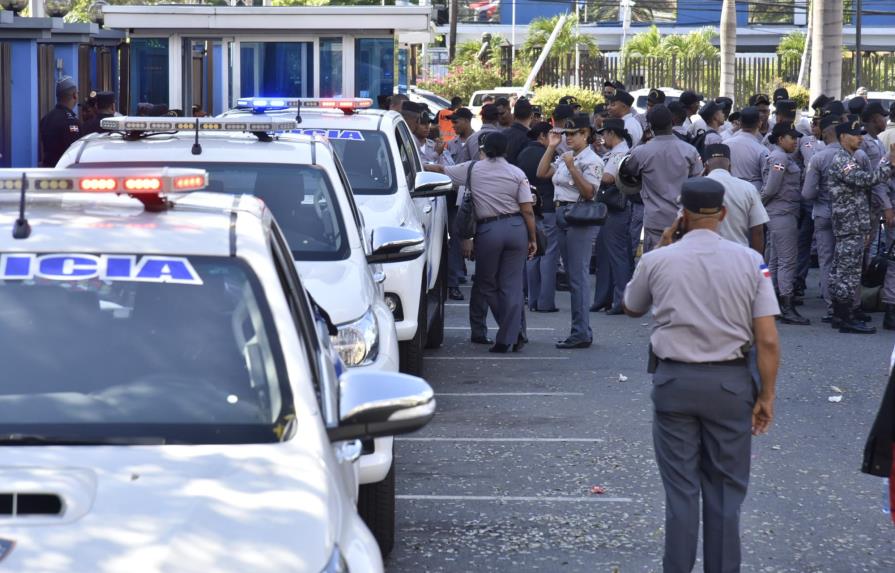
x=454 y=293
x=499 y=348
x=615 y=311
x=889 y=318
x=788 y=313
x=600 y=307
x=797 y=300
x=859 y=314
x=828 y=318
x=565 y=344
x=520 y=343
x=849 y=324
x=535 y=309
x=481 y=340
x=462 y=280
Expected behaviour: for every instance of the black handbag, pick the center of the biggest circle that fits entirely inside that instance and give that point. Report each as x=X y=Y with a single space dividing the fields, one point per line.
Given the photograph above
x=610 y=196
x=466 y=220
x=875 y=273
x=586 y=214
x=541 y=239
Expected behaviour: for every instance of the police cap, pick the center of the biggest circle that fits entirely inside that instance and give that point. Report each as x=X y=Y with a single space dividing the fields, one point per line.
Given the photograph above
x=781 y=94
x=856 y=105
x=659 y=117
x=830 y=120
x=708 y=110
x=783 y=129
x=614 y=125
x=820 y=102
x=785 y=105
x=715 y=151
x=538 y=129
x=702 y=195
x=725 y=102
x=105 y=99
x=655 y=96
x=759 y=99
x=623 y=97
x=873 y=108
x=462 y=113
x=851 y=127
x=562 y=112
x=749 y=117
x=65 y=84
x=489 y=112
x=834 y=107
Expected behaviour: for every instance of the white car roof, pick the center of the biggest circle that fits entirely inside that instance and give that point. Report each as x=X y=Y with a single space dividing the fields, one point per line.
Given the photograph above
x=199 y=223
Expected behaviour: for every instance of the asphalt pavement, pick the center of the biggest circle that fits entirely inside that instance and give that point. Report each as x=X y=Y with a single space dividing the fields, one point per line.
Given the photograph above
x=506 y=476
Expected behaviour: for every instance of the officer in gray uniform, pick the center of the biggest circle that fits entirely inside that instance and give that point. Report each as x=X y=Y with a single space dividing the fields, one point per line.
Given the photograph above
x=663 y=163
x=504 y=238
x=782 y=197
x=704 y=396
x=713 y=116
x=576 y=176
x=747 y=155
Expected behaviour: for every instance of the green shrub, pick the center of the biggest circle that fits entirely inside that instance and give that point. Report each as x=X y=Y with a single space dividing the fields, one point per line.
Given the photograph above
x=797 y=93
x=548 y=97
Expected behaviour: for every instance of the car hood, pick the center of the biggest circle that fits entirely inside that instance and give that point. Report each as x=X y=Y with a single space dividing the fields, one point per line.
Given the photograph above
x=343 y=288
x=165 y=509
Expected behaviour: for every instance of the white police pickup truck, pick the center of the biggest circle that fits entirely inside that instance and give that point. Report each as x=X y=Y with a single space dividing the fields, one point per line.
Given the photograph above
x=385 y=171
x=299 y=178
x=169 y=404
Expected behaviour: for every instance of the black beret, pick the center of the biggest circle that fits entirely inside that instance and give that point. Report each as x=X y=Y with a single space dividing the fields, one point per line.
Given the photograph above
x=702 y=195
x=781 y=93
x=489 y=112
x=105 y=99
x=715 y=150
x=785 y=105
x=856 y=105
x=622 y=96
x=851 y=127
x=688 y=98
x=834 y=107
x=659 y=117
x=563 y=111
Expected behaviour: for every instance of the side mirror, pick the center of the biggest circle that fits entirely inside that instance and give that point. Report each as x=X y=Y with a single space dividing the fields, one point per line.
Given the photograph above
x=429 y=184
x=396 y=244
x=375 y=404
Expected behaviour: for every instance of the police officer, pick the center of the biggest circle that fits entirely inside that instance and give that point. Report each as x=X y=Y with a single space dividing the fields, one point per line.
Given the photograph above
x=620 y=108
x=576 y=177
x=711 y=301
x=782 y=197
x=746 y=216
x=663 y=164
x=850 y=185
x=809 y=145
x=490 y=115
x=690 y=100
x=430 y=151
x=61 y=126
x=541 y=270
x=762 y=103
x=505 y=235
x=105 y=107
x=461 y=121
x=613 y=243
x=747 y=155
x=713 y=116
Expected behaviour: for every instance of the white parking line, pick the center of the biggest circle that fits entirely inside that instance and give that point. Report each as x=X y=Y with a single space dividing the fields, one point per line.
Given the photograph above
x=497 y=357
x=501 y=498
x=507 y=440
x=493 y=326
x=513 y=394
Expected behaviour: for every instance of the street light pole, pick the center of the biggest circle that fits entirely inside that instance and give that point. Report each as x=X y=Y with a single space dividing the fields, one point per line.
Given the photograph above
x=577 y=51
x=859 y=79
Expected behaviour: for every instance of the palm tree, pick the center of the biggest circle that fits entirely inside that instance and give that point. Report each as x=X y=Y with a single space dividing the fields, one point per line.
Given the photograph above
x=651 y=43
x=791 y=46
x=826 y=49
x=568 y=39
x=645 y=44
x=728 y=48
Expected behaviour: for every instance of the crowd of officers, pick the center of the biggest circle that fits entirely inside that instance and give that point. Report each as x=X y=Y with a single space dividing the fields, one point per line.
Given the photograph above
x=793 y=186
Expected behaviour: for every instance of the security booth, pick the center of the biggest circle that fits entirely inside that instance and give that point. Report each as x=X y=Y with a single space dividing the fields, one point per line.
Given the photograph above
x=34 y=53
x=204 y=58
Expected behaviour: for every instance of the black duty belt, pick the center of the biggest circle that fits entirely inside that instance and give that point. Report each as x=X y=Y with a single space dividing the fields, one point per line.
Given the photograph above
x=734 y=362
x=498 y=218
x=563 y=203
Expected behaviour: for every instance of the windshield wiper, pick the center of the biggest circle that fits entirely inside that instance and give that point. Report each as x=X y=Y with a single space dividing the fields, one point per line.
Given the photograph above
x=44 y=440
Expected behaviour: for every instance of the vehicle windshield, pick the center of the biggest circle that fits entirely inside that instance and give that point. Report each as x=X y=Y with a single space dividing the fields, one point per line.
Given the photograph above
x=300 y=197
x=477 y=98
x=437 y=100
x=642 y=101
x=99 y=347
x=367 y=161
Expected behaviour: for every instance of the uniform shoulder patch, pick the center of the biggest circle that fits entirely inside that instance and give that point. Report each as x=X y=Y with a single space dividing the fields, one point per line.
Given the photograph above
x=849 y=166
x=765 y=271
x=779 y=166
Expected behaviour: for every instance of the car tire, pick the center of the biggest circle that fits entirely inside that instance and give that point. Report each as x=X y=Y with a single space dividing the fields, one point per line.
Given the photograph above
x=410 y=352
x=435 y=336
x=376 y=506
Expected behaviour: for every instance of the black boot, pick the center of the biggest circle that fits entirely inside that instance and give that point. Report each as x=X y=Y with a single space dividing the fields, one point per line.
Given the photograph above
x=788 y=312
x=889 y=319
x=828 y=318
x=859 y=314
x=849 y=324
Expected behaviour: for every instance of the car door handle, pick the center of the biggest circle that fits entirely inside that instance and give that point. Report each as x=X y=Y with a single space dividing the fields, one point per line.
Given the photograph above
x=427 y=209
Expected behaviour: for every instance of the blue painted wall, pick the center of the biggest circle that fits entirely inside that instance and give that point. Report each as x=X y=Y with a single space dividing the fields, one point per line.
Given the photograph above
x=23 y=60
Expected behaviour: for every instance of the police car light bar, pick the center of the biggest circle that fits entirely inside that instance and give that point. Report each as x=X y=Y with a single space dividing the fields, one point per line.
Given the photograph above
x=167 y=124
x=130 y=181
x=262 y=104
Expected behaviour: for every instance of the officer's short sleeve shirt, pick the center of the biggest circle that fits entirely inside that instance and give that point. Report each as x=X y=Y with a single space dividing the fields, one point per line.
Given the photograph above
x=591 y=167
x=705 y=292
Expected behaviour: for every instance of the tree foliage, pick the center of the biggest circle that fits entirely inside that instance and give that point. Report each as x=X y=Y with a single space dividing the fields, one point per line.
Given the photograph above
x=566 y=41
x=791 y=46
x=651 y=43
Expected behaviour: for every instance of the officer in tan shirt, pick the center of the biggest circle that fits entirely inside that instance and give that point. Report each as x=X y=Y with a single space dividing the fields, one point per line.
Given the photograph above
x=712 y=300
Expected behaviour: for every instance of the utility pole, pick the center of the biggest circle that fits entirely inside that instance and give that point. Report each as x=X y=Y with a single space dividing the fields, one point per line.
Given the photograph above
x=859 y=73
x=452 y=35
x=577 y=46
x=806 y=53
x=728 y=48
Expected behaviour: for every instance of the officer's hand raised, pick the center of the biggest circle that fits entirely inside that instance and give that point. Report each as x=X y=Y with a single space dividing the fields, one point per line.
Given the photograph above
x=554 y=138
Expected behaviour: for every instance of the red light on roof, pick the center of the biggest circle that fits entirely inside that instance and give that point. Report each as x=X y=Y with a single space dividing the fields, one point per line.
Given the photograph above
x=98 y=184
x=137 y=184
x=189 y=182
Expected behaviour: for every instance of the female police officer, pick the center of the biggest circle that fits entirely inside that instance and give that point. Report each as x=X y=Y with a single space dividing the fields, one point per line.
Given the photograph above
x=576 y=177
x=504 y=237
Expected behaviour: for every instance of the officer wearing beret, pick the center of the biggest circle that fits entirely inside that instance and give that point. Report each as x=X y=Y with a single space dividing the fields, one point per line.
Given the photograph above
x=61 y=127
x=620 y=108
x=850 y=184
x=782 y=196
x=663 y=163
x=713 y=116
x=747 y=155
x=105 y=107
x=712 y=301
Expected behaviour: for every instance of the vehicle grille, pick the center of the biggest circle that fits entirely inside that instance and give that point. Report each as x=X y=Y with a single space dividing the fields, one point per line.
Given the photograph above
x=23 y=504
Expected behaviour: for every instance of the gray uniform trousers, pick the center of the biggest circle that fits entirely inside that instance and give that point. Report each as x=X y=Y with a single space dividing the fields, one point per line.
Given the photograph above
x=806 y=236
x=456 y=265
x=703 y=441
x=501 y=248
x=651 y=239
x=576 y=244
x=825 y=241
x=889 y=284
x=635 y=227
x=613 y=259
x=783 y=255
x=541 y=270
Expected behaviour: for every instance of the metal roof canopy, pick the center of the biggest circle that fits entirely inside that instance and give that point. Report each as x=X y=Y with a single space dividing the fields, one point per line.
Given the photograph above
x=217 y=20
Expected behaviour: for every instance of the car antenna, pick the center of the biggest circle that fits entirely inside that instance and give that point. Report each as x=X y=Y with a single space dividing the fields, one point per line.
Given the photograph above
x=22 y=229
x=298 y=111
x=197 y=149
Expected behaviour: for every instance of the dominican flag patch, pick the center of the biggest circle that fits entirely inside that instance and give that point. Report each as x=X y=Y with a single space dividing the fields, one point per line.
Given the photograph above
x=766 y=273
x=779 y=167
